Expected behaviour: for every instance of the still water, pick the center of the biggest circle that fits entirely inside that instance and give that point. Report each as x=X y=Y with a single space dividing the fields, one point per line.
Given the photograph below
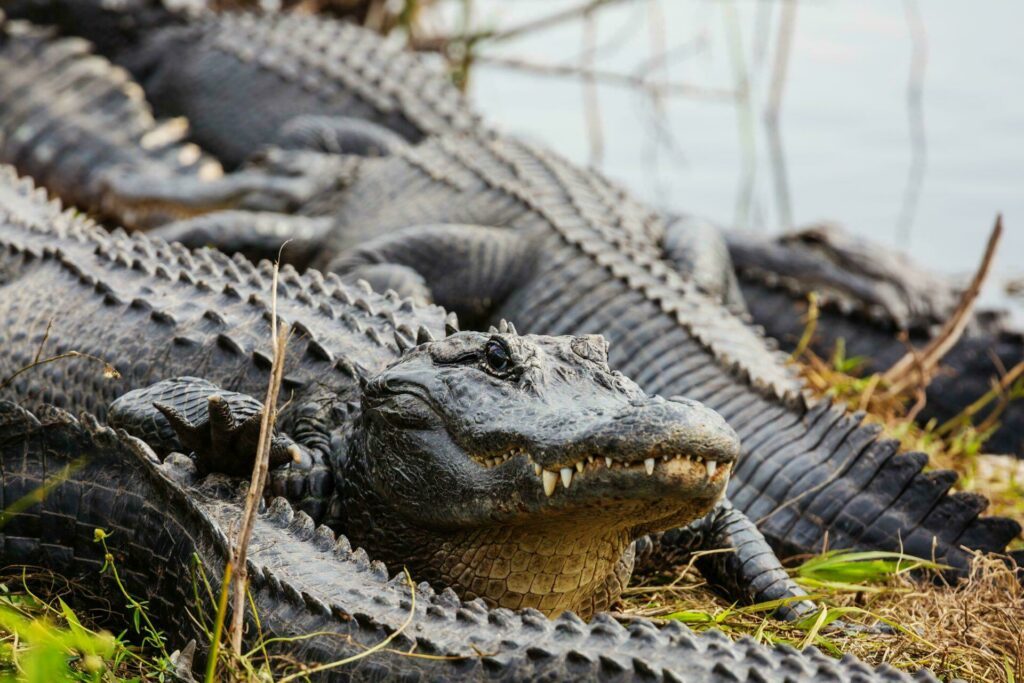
x=904 y=121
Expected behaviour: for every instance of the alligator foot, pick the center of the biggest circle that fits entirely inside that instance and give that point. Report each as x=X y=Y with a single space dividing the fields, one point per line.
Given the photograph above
x=384 y=276
x=338 y=135
x=220 y=428
x=154 y=199
x=257 y=235
x=182 y=660
x=226 y=443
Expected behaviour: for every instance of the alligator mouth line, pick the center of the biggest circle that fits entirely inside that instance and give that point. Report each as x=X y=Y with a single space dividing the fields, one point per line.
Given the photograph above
x=713 y=470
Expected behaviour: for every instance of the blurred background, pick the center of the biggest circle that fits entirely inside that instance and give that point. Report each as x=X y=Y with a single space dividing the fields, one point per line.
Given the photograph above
x=902 y=120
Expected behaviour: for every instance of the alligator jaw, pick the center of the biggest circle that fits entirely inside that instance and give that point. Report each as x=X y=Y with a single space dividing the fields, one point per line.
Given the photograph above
x=680 y=464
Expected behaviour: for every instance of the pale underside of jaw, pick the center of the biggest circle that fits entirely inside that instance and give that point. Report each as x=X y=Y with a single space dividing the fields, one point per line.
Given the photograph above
x=550 y=478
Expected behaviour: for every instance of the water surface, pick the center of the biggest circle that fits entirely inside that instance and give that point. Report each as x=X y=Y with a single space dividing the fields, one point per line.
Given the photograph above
x=903 y=121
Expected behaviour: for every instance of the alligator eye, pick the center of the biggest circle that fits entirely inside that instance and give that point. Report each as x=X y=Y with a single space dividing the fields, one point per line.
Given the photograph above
x=497 y=357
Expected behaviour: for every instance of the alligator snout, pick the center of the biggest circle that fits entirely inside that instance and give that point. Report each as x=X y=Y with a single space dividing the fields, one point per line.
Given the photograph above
x=641 y=434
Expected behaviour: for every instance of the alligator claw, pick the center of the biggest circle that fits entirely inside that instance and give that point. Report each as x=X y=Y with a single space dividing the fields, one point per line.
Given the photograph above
x=182 y=660
x=223 y=443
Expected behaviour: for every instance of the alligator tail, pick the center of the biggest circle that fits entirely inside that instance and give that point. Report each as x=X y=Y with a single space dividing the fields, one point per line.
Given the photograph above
x=828 y=481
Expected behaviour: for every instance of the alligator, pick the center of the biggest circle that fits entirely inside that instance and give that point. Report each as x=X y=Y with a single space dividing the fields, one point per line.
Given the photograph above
x=868 y=296
x=305 y=580
x=70 y=117
x=335 y=85
x=519 y=438
x=583 y=255
x=77 y=125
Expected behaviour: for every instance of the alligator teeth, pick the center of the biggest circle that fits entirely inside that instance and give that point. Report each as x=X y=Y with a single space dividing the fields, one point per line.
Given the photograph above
x=608 y=462
x=537 y=469
x=550 y=481
x=566 y=476
x=649 y=466
x=580 y=466
x=711 y=466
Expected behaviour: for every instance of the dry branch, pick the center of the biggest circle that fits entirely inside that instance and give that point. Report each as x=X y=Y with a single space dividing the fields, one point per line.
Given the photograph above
x=900 y=375
x=279 y=340
x=612 y=78
x=441 y=43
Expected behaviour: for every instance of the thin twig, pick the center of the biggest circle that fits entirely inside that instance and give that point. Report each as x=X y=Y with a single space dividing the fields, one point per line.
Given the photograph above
x=787 y=27
x=810 y=327
x=612 y=78
x=279 y=340
x=440 y=43
x=42 y=342
x=899 y=375
x=109 y=371
x=591 y=102
x=970 y=411
x=369 y=651
x=915 y=120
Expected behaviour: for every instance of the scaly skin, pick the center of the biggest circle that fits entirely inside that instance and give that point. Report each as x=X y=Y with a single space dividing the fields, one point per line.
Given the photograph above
x=868 y=305
x=308 y=65
x=68 y=118
x=573 y=253
x=583 y=256
x=156 y=519
x=159 y=312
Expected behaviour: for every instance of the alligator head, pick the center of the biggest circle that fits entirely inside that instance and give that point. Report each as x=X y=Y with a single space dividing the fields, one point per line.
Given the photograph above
x=520 y=469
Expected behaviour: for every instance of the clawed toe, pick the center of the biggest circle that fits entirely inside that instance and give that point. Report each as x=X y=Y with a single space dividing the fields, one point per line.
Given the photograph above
x=227 y=439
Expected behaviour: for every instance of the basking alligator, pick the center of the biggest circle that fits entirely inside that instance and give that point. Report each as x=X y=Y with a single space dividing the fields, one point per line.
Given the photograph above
x=868 y=296
x=536 y=465
x=304 y=580
x=582 y=256
x=70 y=118
x=334 y=85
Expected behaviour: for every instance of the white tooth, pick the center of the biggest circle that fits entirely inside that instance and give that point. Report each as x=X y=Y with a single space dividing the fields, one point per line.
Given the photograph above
x=649 y=466
x=537 y=469
x=580 y=466
x=608 y=462
x=711 y=466
x=566 y=476
x=665 y=458
x=590 y=458
x=550 y=481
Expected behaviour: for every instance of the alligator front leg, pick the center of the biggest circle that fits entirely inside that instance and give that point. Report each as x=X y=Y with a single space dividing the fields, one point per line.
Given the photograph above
x=338 y=135
x=748 y=569
x=699 y=251
x=150 y=200
x=221 y=428
x=465 y=268
x=257 y=235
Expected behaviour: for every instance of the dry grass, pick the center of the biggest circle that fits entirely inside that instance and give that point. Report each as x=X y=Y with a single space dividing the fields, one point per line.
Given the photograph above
x=973 y=630
x=958 y=444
